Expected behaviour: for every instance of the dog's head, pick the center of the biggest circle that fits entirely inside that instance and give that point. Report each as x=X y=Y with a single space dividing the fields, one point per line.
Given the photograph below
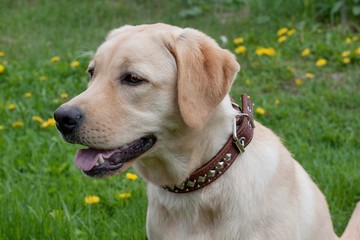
x=146 y=82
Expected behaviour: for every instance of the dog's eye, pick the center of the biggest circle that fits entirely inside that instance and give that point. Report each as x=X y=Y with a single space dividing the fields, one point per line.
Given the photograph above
x=91 y=71
x=132 y=79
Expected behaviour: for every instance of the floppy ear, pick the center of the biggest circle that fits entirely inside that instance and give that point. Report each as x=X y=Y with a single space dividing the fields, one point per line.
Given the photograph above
x=205 y=75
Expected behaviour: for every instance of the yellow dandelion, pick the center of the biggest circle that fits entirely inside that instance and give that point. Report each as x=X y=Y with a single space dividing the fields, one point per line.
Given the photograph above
x=64 y=95
x=74 y=64
x=238 y=40
x=291 y=32
x=55 y=59
x=357 y=51
x=309 y=75
x=2 y=54
x=277 y=101
x=282 y=39
x=56 y=101
x=17 y=124
x=2 y=127
x=260 y=111
x=11 y=107
x=240 y=50
x=348 y=40
x=270 y=51
x=298 y=82
x=92 y=200
x=48 y=123
x=28 y=94
x=2 y=68
x=248 y=82
x=321 y=62
x=37 y=119
x=43 y=78
x=346 y=60
x=265 y=51
x=131 y=176
x=282 y=31
x=305 y=52
x=345 y=54
x=124 y=195
x=354 y=38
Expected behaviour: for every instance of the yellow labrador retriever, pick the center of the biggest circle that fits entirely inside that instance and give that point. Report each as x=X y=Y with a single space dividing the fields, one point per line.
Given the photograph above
x=158 y=101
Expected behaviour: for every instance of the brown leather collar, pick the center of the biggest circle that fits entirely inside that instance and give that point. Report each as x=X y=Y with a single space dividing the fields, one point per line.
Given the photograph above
x=212 y=170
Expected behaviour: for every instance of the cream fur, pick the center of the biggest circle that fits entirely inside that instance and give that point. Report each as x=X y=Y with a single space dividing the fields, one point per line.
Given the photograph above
x=265 y=194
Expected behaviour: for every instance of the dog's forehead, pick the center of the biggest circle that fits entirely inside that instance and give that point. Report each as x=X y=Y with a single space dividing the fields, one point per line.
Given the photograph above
x=134 y=43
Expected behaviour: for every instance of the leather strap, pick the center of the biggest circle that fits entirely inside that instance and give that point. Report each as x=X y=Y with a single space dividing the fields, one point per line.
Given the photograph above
x=235 y=145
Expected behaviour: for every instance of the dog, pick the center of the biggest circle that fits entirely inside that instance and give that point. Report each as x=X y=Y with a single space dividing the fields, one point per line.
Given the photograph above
x=158 y=100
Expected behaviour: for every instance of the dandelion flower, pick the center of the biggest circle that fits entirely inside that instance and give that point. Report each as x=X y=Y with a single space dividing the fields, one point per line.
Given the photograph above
x=240 y=50
x=298 y=82
x=28 y=94
x=357 y=51
x=43 y=78
x=48 y=123
x=37 y=119
x=11 y=107
x=309 y=75
x=124 y=195
x=17 y=124
x=238 y=40
x=355 y=38
x=346 y=60
x=282 y=39
x=348 y=40
x=248 y=82
x=277 y=101
x=64 y=95
x=55 y=59
x=92 y=200
x=305 y=52
x=2 y=127
x=345 y=54
x=321 y=62
x=265 y=51
x=2 y=68
x=131 y=176
x=2 y=54
x=291 y=32
x=282 y=31
x=260 y=111
x=74 y=64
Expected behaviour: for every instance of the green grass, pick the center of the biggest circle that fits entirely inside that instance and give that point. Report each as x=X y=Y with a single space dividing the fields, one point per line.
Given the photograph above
x=42 y=192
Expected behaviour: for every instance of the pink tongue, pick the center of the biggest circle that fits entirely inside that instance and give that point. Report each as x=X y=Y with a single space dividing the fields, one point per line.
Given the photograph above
x=86 y=158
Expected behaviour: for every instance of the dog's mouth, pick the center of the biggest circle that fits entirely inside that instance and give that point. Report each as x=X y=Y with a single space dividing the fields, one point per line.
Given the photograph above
x=103 y=163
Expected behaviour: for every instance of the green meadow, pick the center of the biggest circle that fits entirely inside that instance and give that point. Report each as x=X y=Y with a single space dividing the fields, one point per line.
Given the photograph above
x=300 y=63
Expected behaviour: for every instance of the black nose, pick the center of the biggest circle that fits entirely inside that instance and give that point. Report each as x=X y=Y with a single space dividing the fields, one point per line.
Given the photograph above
x=67 y=119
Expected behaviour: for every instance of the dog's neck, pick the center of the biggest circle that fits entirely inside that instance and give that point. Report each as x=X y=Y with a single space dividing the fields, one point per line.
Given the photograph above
x=189 y=149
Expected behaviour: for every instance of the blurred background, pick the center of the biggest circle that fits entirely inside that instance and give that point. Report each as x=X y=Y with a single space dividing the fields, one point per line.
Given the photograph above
x=299 y=63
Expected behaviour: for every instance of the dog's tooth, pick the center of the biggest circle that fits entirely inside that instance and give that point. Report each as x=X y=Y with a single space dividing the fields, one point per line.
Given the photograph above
x=101 y=160
x=97 y=164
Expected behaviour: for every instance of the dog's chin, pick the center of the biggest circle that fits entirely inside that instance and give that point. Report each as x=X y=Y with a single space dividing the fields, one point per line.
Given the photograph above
x=102 y=163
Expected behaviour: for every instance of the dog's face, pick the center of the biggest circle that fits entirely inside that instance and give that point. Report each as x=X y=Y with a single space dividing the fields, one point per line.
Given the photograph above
x=145 y=82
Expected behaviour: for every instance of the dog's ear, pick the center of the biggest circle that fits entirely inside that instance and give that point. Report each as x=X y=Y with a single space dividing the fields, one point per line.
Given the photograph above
x=205 y=74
